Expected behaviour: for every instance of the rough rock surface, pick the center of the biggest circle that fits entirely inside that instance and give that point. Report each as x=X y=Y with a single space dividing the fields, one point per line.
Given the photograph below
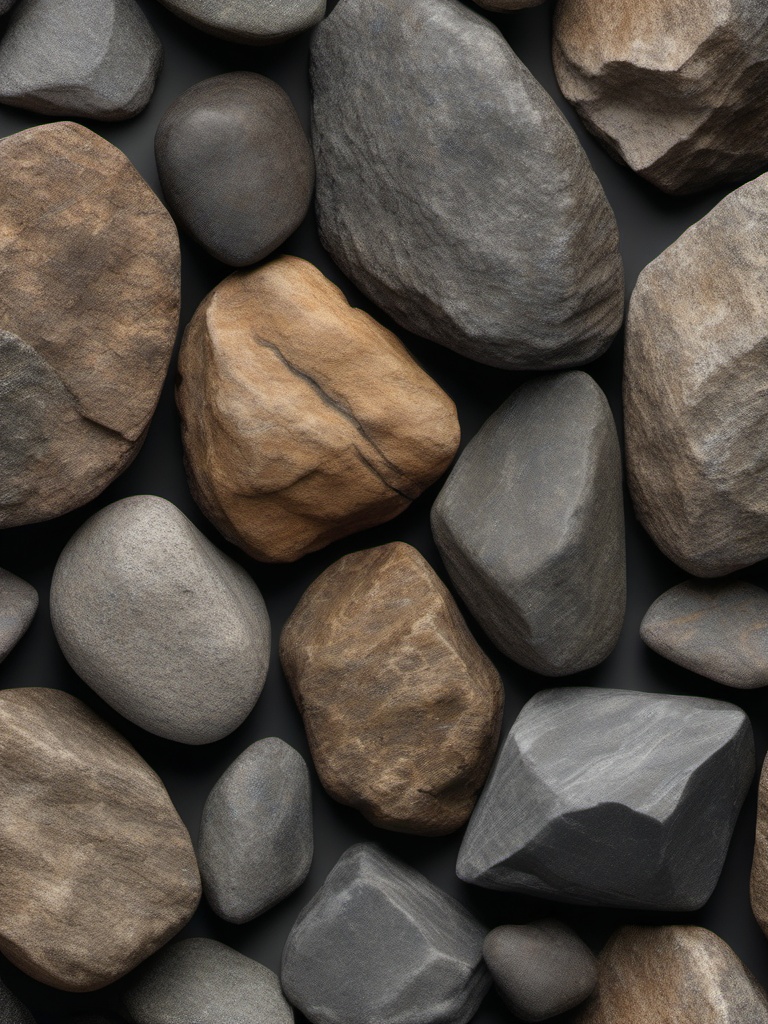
x=96 y=869
x=303 y=419
x=11 y=1010
x=256 y=839
x=719 y=630
x=256 y=22
x=676 y=93
x=694 y=390
x=236 y=167
x=18 y=604
x=477 y=223
x=401 y=706
x=79 y=58
x=507 y=5
x=380 y=943
x=759 y=878
x=612 y=798
x=676 y=973
x=165 y=628
x=530 y=525
x=89 y=305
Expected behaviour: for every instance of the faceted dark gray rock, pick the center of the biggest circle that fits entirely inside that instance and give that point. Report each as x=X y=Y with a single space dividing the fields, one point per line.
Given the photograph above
x=530 y=526
x=18 y=604
x=79 y=58
x=256 y=838
x=612 y=798
x=250 y=21
x=451 y=190
x=380 y=943
x=235 y=166
x=11 y=1010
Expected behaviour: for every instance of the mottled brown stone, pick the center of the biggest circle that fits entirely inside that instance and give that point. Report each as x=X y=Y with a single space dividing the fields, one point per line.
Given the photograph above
x=759 y=877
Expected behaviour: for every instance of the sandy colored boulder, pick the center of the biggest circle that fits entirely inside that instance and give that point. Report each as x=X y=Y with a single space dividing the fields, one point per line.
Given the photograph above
x=303 y=419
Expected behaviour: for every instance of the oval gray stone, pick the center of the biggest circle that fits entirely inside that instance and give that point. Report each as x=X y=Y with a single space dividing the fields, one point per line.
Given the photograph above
x=250 y=21
x=18 y=604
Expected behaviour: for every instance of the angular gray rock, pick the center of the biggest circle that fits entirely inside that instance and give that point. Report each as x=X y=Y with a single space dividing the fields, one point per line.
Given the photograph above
x=79 y=58
x=696 y=434
x=163 y=626
x=11 y=1010
x=380 y=943
x=256 y=839
x=719 y=630
x=235 y=166
x=612 y=798
x=530 y=526
x=257 y=22
x=18 y=604
x=479 y=225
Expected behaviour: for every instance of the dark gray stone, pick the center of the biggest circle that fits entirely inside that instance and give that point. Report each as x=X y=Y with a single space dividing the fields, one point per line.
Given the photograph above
x=530 y=526
x=250 y=21
x=79 y=58
x=256 y=839
x=235 y=166
x=612 y=798
x=380 y=943
x=6 y=5
x=18 y=604
x=11 y=1010
x=451 y=190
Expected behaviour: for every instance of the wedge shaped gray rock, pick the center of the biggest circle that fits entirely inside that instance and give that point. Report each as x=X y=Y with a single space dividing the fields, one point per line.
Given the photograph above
x=612 y=798
x=479 y=225
x=18 y=604
x=11 y=1010
x=163 y=626
x=530 y=526
x=250 y=21
x=380 y=943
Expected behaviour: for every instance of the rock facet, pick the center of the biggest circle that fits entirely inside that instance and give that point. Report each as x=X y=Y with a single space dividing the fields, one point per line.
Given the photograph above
x=18 y=604
x=256 y=22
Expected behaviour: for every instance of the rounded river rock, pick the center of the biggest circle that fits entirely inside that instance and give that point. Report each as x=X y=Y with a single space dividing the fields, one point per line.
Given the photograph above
x=256 y=22
x=18 y=604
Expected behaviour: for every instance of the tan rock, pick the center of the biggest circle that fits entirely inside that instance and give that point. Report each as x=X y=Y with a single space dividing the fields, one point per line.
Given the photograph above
x=759 y=878
x=402 y=708
x=96 y=869
x=303 y=419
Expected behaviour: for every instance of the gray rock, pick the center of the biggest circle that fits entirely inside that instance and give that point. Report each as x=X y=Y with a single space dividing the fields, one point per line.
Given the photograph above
x=380 y=943
x=256 y=838
x=507 y=5
x=530 y=526
x=79 y=58
x=235 y=166
x=164 y=627
x=612 y=798
x=6 y=5
x=250 y=21
x=206 y=982
x=18 y=604
x=451 y=190
x=11 y=1010
x=540 y=969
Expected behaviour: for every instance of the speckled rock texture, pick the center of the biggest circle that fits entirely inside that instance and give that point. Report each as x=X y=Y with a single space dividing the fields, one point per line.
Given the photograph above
x=89 y=306
x=612 y=798
x=256 y=22
x=695 y=430
x=96 y=869
x=6 y=5
x=530 y=525
x=401 y=706
x=479 y=225
x=759 y=877
x=380 y=943
x=11 y=1010
x=507 y=5
x=303 y=419
x=18 y=604
x=163 y=626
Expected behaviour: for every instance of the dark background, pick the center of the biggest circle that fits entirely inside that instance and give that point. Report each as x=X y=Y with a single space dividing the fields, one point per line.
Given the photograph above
x=649 y=222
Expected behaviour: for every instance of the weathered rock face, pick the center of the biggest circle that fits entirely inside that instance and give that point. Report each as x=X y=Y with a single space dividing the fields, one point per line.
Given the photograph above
x=677 y=94
x=530 y=525
x=380 y=943
x=96 y=869
x=303 y=419
x=18 y=604
x=89 y=302
x=677 y=973
x=402 y=708
x=759 y=878
x=612 y=798
x=250 y=21
x=478 y=225
x=694 y=396
x=165 y=628
x=11 y=1010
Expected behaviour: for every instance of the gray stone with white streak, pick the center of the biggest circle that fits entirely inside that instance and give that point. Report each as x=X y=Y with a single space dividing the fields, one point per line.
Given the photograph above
x=18 y=604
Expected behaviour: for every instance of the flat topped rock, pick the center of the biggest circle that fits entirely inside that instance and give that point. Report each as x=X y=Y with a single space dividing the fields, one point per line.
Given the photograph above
x=250 y=21
x=18 y=604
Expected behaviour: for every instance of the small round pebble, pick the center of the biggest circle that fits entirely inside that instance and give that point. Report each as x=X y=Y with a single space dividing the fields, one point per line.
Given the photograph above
x=18 y=604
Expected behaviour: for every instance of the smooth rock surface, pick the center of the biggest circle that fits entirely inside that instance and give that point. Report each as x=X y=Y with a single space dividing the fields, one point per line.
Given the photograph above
x=79 y=58
x=530 y=525
x=11 y=1010
x=380 y=943
x=89 y=305
x=96 y=868
x=401 y=706
x=303 y=419
x=452 y=191
x=612 y=798
x=18 y=604
x=256 y=839
x=163 y=626
x=759 y=876
x=696 y=434
x=236 y=167
x=256 y=22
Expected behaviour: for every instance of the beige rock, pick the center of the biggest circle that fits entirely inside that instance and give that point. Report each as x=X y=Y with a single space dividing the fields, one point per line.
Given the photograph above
x=303 y=419
x=759 y=877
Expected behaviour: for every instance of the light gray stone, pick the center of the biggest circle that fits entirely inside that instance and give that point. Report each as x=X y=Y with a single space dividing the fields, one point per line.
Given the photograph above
x=250 y=21
x=18 y=604
x=11 y=1010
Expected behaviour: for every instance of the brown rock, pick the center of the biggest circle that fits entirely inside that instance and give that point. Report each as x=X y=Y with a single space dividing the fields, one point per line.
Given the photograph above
x=89 y=299
x=96 y=869
x=759 y=877
x=402 y=708
x=304 y=420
